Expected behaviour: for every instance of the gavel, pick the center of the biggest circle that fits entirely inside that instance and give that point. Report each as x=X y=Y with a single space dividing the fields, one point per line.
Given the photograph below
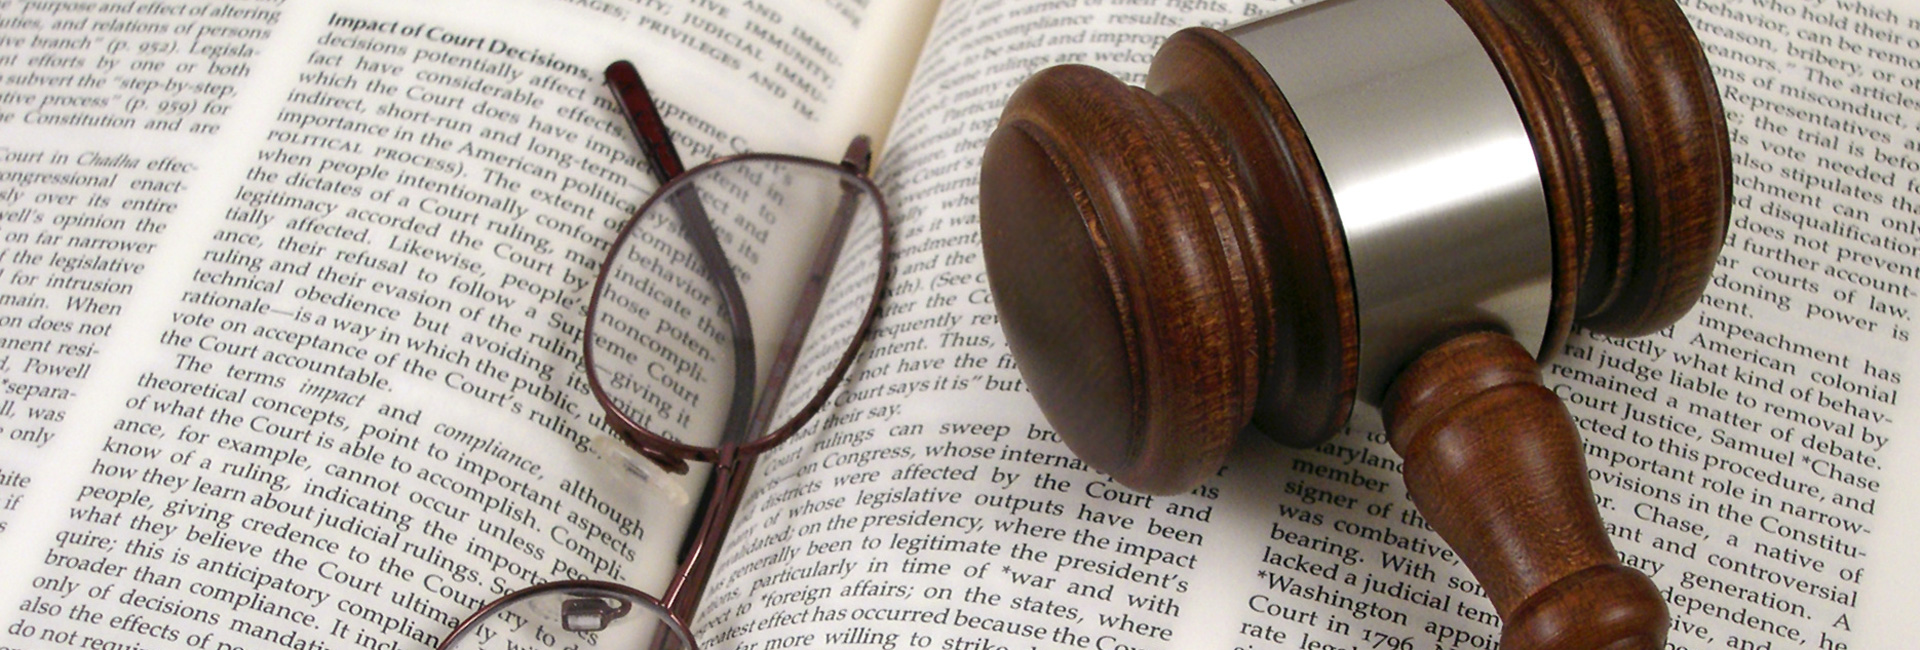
x=1408 y=203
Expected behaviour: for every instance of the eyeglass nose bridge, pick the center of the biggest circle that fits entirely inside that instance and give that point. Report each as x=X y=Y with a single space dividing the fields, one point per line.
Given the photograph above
x=860 y=202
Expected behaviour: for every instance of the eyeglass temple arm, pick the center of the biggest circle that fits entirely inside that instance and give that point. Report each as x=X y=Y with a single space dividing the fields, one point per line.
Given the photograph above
x=813 y=291
x=730 y=474
x=733 y=469
x=859 y=156
x=637 y=104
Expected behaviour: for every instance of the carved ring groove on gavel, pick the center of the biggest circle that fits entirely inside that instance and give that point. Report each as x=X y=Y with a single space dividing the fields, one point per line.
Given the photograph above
x=1404 y=202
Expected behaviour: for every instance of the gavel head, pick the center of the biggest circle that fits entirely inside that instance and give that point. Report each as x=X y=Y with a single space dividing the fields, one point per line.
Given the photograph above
x=1292 y=210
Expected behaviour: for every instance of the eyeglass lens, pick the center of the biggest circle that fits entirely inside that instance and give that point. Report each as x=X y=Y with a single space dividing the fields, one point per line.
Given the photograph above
x=662 y=347
x=575 y=618
x=663 y=352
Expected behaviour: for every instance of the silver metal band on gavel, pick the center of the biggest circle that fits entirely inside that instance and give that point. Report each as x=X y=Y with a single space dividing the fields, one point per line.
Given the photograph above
x=1433 y=175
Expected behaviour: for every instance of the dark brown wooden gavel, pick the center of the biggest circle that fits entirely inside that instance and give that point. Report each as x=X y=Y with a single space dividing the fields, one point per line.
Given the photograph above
x=1404 y=202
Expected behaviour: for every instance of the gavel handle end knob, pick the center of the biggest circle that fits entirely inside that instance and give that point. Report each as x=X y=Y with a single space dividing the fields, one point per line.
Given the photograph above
x=1605 y=607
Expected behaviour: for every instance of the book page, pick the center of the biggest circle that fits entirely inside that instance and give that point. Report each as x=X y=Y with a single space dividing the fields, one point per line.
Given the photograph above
x=1885 y=34
x=1737 y=457
x=294 y=298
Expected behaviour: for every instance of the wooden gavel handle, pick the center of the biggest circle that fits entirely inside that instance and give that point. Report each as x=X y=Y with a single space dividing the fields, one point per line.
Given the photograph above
x=1495 y=465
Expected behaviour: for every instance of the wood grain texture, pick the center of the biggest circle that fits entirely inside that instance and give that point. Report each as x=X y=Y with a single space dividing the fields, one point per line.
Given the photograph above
x=1628 y=123
x=1311 y=351
x=1169 y=266
x=1080 y=155
x=1495 y=464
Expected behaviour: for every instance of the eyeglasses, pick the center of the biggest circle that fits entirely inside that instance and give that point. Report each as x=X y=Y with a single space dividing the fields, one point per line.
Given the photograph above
x=672 y=355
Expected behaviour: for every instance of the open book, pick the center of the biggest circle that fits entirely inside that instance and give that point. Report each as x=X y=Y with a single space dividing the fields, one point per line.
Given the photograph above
x=291 y=295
